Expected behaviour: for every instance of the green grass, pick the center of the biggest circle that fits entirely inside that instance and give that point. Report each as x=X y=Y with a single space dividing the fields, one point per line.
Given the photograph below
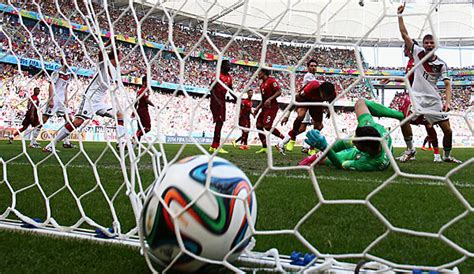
x=284 y=197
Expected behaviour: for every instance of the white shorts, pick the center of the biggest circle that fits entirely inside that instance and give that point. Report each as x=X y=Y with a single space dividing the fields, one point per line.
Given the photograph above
x=58 y=109
x=432 y=106
x=307 y=119
x=89 y=108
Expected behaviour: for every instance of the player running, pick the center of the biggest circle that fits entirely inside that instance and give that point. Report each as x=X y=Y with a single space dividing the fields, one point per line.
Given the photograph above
x=244 y=121
x=268 y=107
x=314 y=91
x=93 y=101
x=31 y=117
x=217 y=105
x=425 y=93
x=312 y=66
x=367 y=155
x=57 y=103
x=141 y=106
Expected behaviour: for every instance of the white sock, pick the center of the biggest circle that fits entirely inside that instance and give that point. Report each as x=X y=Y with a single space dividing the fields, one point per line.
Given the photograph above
x=62 y=134
x=67 y=141
x=34 y=135
x=286 y=139
x=120 y=133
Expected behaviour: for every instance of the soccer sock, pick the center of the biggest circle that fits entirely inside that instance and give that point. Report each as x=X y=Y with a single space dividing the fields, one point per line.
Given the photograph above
x=436 y=150
x=447 y=143
x=296 y=128
x=120 y=128
x=62 y=134
x=139 y=134
x=379 y=110
x=67 y=141
x=34 y=134
x=425 y=141
x=447 y=151
x=287 y=138
x=278 y=134
x=409 y=142
x=263 y=138
x=217 y=135
x=245 y=136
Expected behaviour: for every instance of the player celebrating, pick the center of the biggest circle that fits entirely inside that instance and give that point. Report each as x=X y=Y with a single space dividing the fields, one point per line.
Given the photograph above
x=312 y=92
x=244 y=121
x=367 y=155
x=141 y=106
x=270 y=91
x=93 y=100
x=217 y=105
x=312 y=66
x=425 y=92
x=31 y=118
x=57 y=102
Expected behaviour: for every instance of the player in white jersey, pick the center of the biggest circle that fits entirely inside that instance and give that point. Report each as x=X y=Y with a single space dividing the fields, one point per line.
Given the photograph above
x=425 y=93
x=287 y=142
x=93 y=101
x=57 y=102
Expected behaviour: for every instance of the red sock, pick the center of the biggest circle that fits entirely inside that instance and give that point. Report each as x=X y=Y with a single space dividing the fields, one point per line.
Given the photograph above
x=436 y=150
x=217 y=135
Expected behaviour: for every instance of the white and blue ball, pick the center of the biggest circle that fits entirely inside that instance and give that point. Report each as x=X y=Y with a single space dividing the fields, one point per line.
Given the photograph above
x=212 y=226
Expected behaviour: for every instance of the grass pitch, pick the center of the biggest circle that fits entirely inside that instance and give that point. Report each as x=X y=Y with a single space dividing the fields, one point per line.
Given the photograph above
x=284 y=198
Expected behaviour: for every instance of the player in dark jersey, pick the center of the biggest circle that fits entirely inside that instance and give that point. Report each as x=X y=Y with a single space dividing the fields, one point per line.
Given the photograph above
x=217 y=105
x=313 y=91
x=31 y=117
x=270 y=90
x=141 y=106
x=244 y=121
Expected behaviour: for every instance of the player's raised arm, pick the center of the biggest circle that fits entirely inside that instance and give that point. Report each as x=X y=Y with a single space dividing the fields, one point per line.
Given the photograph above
x=106 y=44
x=403 y=29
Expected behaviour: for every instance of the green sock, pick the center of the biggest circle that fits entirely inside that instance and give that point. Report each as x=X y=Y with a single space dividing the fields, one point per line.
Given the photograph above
x=379 y=110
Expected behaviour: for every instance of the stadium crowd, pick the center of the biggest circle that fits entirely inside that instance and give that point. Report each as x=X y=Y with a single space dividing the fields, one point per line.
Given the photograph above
x=174 y=111
x=30 y=39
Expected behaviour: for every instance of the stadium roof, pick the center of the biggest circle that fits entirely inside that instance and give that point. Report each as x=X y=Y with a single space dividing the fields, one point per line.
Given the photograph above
x=340 y=21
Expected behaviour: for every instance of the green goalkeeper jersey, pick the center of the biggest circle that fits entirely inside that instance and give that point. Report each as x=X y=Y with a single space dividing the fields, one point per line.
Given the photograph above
x=349 y=157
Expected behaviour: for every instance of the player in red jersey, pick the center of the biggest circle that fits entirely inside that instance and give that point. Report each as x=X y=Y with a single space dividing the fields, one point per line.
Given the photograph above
x=217 y=105
x=141 y=106
x=314 y=91
x=270 y=90
x=31 y=116
x=244 y=121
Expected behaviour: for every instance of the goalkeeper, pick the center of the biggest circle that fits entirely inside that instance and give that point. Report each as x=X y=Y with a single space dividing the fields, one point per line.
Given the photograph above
x=366 y=155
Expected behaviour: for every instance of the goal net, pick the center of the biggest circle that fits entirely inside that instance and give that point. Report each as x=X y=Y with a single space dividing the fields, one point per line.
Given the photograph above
x=400 y=220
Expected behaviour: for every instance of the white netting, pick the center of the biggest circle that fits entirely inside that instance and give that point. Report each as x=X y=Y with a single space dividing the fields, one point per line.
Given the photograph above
x=108 y=186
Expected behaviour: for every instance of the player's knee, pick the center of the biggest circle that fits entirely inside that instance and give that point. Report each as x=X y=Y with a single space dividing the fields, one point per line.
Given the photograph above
x=147 y=129
x=318 y=126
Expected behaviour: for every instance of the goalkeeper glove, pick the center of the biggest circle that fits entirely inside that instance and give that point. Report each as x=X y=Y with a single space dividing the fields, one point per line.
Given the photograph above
x=315 y=139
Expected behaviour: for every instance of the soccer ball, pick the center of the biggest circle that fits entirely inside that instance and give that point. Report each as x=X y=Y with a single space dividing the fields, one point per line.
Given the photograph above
x=211 y=226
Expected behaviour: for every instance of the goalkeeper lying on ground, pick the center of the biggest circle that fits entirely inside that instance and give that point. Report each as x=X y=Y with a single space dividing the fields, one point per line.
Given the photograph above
x=357 y=155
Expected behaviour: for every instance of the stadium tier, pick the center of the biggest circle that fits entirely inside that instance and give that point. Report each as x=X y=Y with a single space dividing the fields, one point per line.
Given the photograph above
x=112 y=114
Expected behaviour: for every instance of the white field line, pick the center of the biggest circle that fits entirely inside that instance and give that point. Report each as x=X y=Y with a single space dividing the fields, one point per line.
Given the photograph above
x=400 y=180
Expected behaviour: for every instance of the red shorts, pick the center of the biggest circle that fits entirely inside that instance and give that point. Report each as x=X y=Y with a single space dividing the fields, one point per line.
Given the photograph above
x=30 y=122
x=145 y=120
x=218 y=112
x=266 y=117
x=244 y=123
